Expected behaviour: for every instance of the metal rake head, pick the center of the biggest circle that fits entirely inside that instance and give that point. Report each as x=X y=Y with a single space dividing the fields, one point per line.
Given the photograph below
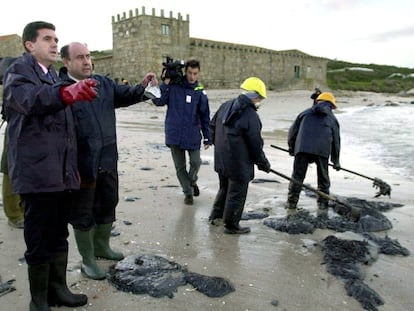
x=384 y=188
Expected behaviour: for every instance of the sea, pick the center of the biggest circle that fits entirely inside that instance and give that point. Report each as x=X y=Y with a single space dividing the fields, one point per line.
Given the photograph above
x=382 y=133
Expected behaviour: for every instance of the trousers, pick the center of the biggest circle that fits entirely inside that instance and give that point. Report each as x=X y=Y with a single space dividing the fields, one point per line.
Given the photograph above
x=187 y=178
x=95 y=202
x=46 y=225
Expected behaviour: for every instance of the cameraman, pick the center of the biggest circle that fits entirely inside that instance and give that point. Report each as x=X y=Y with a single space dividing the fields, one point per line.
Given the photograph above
x=186 y=123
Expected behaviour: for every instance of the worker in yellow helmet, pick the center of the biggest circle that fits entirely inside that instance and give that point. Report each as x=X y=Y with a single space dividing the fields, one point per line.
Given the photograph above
x=236 y=135
x=313 y=138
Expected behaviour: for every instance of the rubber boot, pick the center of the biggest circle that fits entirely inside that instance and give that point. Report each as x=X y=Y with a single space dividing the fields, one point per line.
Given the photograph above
x=101 y=243
x=84 y=240
x=215 y=218
x=351 y=212
x=38 y=280
x=322 y=209
x=216 y=215
x=292 y=201
x=59 y=293
x=232 y=216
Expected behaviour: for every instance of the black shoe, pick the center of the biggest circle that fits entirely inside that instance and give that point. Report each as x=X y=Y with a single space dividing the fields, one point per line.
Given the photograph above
x=322 y=213
x=239 y=230
x=289 y=205
x=196 y=191
x=188 y=200
x=218 y=221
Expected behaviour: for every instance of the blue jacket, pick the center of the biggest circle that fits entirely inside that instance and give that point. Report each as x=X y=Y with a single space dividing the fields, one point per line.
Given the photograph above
x=238 y=144
x=188 y=114
x=96 y=124
x=41 y=134
x=316 y=131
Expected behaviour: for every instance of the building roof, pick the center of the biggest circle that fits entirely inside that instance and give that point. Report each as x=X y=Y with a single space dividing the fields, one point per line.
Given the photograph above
x=9 y=37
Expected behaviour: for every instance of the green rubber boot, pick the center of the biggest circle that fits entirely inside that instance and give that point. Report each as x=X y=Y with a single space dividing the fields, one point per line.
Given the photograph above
x=86 y=248
x=101 y=243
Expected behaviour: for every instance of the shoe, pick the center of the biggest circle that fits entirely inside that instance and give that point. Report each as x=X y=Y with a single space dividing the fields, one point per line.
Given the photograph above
x=322 y=213
x=196 y=190
x=239 y=230
x=188 y=200
x=290 y=205
x=18 y=224
x=291 y=211
x=323 y=205
x=215 y=221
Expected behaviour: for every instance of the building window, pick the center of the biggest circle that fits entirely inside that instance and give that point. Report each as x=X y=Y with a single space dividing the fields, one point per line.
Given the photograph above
x=165 y=30
x=297 y=72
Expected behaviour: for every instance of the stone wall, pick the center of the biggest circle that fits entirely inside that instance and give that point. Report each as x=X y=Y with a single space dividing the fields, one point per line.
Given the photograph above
x=11 y=46
x=141 y=42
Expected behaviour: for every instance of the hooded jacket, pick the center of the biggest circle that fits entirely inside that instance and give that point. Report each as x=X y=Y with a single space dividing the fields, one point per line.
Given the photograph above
x=96 y=124
x=236 y=131
x=41 y=137
x=316 y=131
x=188 y=114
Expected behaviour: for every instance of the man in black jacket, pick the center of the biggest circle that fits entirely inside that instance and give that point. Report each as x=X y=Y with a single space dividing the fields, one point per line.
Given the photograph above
x=312 y=138
x=41 y=156
x=236 y=133
x=93 y=209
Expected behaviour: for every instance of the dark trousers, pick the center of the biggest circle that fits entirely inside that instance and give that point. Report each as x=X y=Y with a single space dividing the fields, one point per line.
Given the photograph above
x=300 y=167
x=229 y=201
x=95 y=202
x=45 y=225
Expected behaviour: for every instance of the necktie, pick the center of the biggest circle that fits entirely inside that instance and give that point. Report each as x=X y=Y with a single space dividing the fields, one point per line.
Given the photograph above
x=49 y=76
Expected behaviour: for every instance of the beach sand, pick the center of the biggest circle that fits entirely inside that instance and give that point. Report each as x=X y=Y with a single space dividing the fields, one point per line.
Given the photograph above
x=265 y=265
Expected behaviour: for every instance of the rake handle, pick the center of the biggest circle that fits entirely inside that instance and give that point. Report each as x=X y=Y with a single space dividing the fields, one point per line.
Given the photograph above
x=344 y=169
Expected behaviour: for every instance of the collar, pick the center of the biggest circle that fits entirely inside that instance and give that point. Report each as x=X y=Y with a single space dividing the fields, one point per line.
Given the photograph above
x=73 y=78
x=44 y=68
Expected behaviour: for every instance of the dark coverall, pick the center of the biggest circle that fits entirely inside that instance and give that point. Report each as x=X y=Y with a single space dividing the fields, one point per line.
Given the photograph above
x=312 y=138
x=236 y=132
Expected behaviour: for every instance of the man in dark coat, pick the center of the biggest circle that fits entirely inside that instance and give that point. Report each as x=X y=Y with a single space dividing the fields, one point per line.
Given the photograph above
x=93 y=209
x=313 y=138
x=236 y=132
x=41 y=159
x=315 y=95
x=186 y=124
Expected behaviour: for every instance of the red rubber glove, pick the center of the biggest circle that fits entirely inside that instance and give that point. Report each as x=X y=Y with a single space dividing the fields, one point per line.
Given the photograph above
x=79 y=91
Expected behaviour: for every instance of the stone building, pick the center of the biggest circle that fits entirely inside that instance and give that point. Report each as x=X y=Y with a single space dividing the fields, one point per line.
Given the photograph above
x=11 y=46
x=141 y=42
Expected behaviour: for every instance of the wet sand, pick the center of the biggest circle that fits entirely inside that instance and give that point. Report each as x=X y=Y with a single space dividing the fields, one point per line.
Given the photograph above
x=265 y=265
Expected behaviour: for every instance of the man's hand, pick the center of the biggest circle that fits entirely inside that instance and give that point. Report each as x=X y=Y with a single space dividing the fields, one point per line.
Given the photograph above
x=79 y=91
x=337 y=166
x=264 y=167
x=149 y=78
x=206 y=144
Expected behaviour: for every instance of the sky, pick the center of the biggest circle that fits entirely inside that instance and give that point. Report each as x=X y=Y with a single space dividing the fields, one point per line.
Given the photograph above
x=358 y=31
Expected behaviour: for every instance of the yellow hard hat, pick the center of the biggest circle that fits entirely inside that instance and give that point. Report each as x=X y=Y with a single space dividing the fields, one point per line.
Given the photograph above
x=254 y=84
x=326 y=96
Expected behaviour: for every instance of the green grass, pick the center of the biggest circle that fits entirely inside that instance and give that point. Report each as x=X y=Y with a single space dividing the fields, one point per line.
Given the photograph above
x=379 y=80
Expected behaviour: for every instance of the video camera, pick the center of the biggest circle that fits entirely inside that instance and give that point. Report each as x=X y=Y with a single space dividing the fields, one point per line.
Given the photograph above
x=173 y=69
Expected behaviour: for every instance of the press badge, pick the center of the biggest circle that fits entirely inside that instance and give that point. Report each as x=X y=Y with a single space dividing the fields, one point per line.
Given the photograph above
x=188 y=99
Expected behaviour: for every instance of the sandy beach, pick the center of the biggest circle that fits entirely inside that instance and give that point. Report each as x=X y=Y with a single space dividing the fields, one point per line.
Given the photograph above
x=266 y=265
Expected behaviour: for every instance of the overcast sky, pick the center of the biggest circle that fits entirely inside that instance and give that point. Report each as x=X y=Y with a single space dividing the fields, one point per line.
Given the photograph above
x=359 y=31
